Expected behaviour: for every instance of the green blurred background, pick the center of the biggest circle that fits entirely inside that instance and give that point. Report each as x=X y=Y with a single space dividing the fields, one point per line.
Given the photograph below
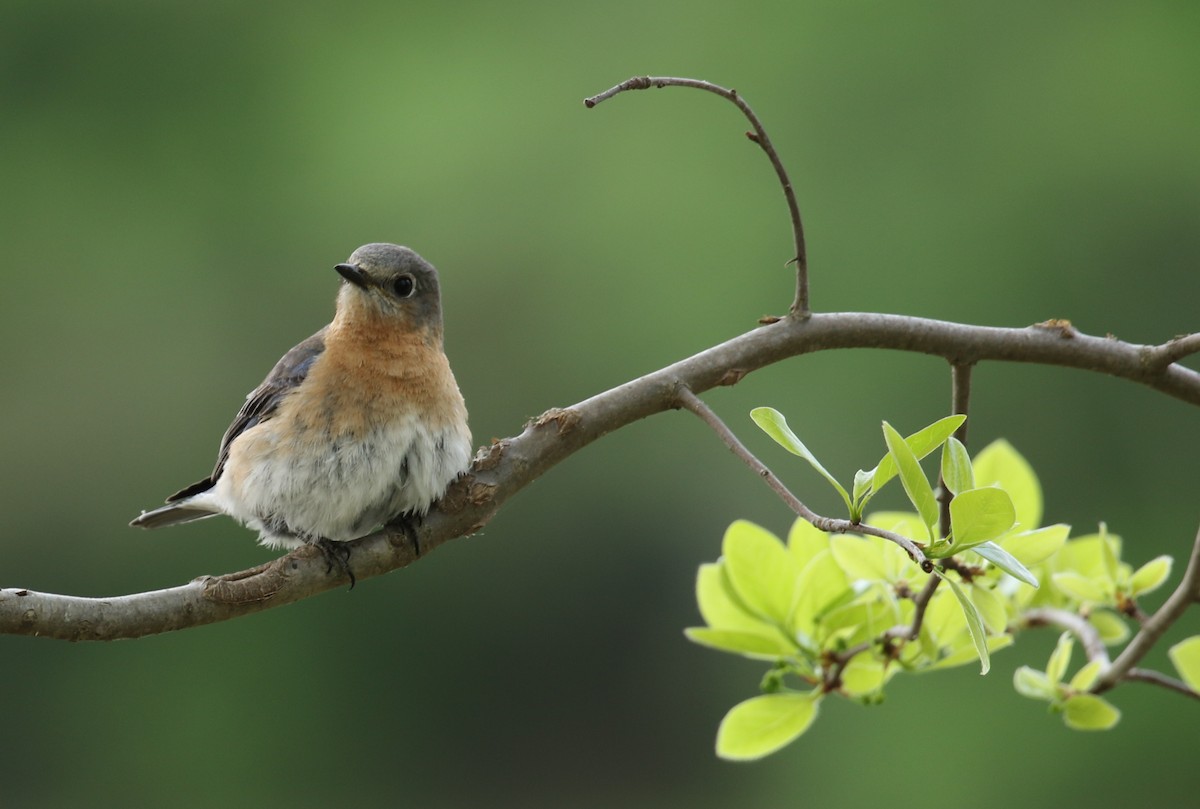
x=180 y=179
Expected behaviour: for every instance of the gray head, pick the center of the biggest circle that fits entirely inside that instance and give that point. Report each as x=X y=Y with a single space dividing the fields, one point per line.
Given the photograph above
x=389 y=282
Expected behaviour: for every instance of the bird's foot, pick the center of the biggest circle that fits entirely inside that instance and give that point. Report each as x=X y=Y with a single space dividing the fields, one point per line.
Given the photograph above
x=336 y=554
x=409 y=522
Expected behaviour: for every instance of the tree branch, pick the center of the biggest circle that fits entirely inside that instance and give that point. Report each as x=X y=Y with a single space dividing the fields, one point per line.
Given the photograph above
x=506 y=467
x=800 y=306
x=1074 y=623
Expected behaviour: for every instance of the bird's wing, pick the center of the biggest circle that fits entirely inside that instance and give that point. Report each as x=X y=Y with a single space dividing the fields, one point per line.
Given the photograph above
x=262 y=403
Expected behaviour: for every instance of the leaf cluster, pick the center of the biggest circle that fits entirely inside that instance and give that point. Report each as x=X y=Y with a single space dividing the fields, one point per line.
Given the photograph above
x=842 y=614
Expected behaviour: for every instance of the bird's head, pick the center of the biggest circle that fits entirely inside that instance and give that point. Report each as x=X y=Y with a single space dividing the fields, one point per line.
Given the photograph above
x=387 y=283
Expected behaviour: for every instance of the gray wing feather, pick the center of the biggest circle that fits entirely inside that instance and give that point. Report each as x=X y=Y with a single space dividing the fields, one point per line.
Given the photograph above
x=262 y=403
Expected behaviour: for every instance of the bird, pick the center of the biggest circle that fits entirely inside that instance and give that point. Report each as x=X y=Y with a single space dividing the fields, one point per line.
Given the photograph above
x=361 y=423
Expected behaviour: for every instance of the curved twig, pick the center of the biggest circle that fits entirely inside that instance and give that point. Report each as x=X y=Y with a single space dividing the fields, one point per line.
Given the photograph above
x=1074 y=623
x=800 y=306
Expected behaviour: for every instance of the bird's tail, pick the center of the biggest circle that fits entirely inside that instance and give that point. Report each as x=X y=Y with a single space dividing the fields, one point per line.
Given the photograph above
x=173 y=514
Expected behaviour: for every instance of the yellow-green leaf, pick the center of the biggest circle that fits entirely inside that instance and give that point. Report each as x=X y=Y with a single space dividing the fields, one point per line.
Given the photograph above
x=991 y=608
x=755 y=645
x=999 y=464
x=762 y=725
x=1087 y=675
x=1060 y=658
x=916 y=485
x=718 y=606
x=978 y=515
x=1036 y=546
x=956 y=467
x=1034 y=684
x=1150 y=576
x=805 y=541
x=772 y=422
x=1079 y=588
x=1185 y=656
x=1109 y=625
x=761 y=570
x=974 y=622
x=1089 y=712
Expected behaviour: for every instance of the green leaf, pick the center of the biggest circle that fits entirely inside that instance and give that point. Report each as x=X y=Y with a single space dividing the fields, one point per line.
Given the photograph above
x=772 y=422
x=962 y=654
x=974 y=622
x=1087 y=675
x=922 y=442
x=761 y=570
x=1036 y=546
x=762 y=725
x=862 y=485
x=755 y=645
x=1084 y=555
x=805 y=541
x=1079 y=588
x=820 y=586
x=916 y=485
x=1034 y=684
x=956 y=467
x=1150 y=576
x=1089 y=712
x=721 y=608
x=1110 y=548
x=1112 y=629
x=991 y=608
x=1185 y=655
x=864 y=675
x=978 y=515
x=861 y=558
x=1006 y=562
x=1001 y=465
x=1060 y=658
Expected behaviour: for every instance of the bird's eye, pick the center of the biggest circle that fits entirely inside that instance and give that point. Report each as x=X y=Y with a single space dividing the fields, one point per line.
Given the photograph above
x=404 y=286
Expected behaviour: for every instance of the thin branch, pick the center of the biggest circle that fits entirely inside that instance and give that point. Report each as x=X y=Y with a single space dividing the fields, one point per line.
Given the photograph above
x=800 y=306
x=1156 y=678
x=692 y=402
x=509 y=465
x=921 y=600
x=1185 y=594
x=960 y=404
x=1074 y=623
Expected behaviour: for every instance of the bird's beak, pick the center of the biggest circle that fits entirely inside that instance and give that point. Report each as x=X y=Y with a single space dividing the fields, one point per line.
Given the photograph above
x=352 y=274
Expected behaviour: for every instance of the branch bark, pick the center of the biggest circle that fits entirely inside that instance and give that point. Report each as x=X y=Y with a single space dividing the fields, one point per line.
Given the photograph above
x=506 y=467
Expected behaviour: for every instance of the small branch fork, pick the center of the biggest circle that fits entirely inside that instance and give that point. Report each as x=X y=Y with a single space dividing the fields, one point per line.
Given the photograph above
x=800 y=306
x=689 y=400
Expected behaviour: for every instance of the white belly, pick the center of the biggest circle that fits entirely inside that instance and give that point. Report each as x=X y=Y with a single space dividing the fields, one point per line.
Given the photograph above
x=306 y=487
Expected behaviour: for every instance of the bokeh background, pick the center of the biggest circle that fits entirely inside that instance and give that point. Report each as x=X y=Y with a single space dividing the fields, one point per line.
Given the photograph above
x=179 y=179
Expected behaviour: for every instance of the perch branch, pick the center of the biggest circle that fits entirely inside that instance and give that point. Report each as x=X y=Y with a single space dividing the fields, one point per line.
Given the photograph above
x=507 y=466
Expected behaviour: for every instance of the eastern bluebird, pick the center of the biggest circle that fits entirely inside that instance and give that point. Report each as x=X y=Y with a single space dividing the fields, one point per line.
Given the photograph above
x=360 y=423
